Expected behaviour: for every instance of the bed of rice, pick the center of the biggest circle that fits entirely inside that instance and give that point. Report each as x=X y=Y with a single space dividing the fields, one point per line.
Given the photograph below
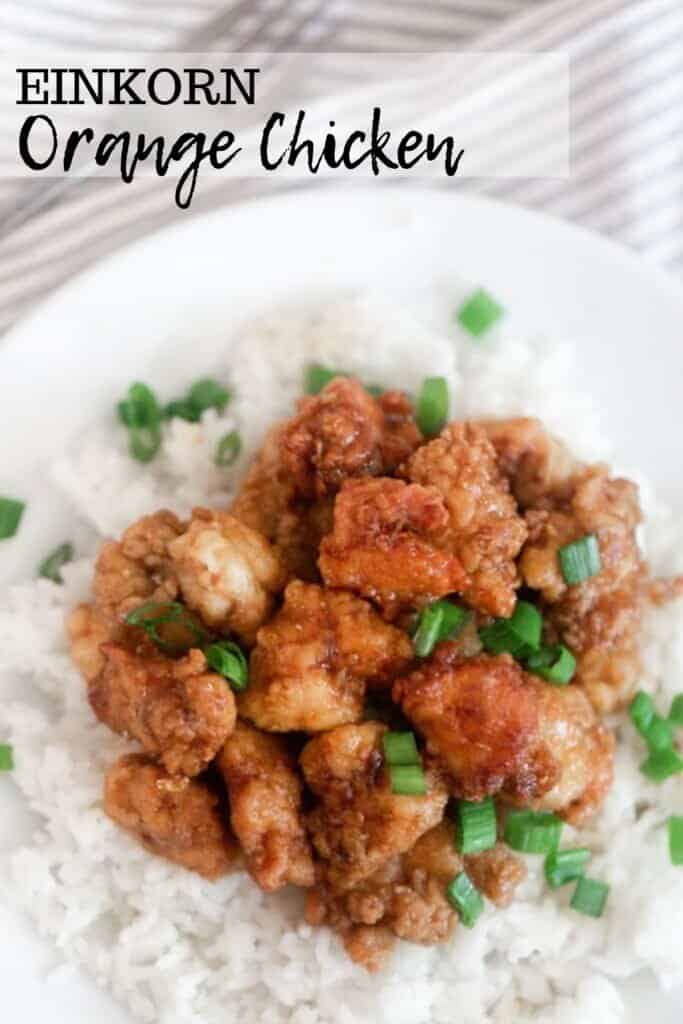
x=178 y=949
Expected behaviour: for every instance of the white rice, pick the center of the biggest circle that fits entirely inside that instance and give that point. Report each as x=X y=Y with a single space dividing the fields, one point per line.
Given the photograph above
x=175 y=948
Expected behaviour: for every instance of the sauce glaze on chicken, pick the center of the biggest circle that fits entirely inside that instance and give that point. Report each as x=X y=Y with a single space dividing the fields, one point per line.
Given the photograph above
x=347 y=524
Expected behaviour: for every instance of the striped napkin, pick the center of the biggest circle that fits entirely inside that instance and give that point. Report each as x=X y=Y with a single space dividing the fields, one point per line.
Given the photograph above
x=626 y=113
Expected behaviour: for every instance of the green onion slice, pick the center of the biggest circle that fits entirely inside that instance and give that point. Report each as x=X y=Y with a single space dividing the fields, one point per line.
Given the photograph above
x=432 y=406
x=675 y=825
x=169 y=625
x=181 y=409
x=555 y=664
x=407 y=780
x=590 y=897
x=400 y=748
x=676 y=712
x=140 y=407
x=580 y=560
x=476 y=828
x=463 y=895
x=208 y=394
x=562 y=866
x=228 y=449
x=479 y=312
x=144 y=443
x=533 y=831
x=11 y=512
x=6 y=758
x=50 y=568
x=318 y=376
x=438 y=621
x=662 y=764
x=642 y=711
x=228 y=659
x=520 y=635
x=375 y=390
x=657 y=732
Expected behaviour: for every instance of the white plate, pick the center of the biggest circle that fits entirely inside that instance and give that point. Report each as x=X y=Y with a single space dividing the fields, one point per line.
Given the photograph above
x=123 y=320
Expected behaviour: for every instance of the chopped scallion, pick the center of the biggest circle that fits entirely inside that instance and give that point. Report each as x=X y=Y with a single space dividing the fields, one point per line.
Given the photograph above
x=464 y=897
x=676 y=840
x=139 y=408
x=318 y=376
x=676 y=711
x=51 y=567
x=407 y=780
x=208 y=394
x=479 y=312
x=169 y=625
x=400 y=748
x=642 y=711
x=590 y=897
x=432 y=406
x=11 y=512
x=662 y=764
x=6 y=758
x=562 y=866
x=520 y=635
x=555 y=664
x=228 y=659
x=476 y=828
x=144 y=443
x=228 y=449
x=181 y=409
x=438 y=621
x=532 y=831
x=580 y=560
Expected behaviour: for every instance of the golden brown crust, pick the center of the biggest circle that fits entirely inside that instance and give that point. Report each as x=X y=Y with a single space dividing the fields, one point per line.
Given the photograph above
x=179 y=819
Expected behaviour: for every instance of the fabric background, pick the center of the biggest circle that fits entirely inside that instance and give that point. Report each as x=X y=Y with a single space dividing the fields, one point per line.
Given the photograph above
x=626 y=112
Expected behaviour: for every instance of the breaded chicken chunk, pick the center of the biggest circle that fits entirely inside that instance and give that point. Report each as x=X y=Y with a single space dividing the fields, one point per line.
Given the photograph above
x=600 y=618
x=177 y=710
x=87 y=630
x=499 y=730
x=265 y=807
x=228 y=573
x=312 y=661
x=537 y=465
x=484 y=529
x=359 y=824
x=387 y=545
x=344 y=432
x=267 y=502
x=179 y=819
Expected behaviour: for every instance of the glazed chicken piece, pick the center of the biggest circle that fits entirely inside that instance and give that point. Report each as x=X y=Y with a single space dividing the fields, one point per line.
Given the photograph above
x=344 y=432
x=228 y=573
x=537 y=465
x=87 y=630
x=484 y=529
x=599 y=619
x=310 y=666
x=177 y=710
x=499 y=730
x=267 y=502
x=406 y=897
x=387 y=545
x=265 y=807
x=137 y=568
x=179 y=819
x=359 y=824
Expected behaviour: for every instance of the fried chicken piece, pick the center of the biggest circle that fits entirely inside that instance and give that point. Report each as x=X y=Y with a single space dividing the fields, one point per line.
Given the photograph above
x=177 y=710
x=599 y=619
x=537 y=465
x=359 y=823
x=310 y=666
x=583 y=749
x=480 y=716
x=496 y=873
x=386 y=545
x=267 y=502
x=179 y=819
x=265 y=807
x=87 y=630
x=484 y=529
x=137 y=568
x=228 y=573
x=344 y=432
x=499 y=730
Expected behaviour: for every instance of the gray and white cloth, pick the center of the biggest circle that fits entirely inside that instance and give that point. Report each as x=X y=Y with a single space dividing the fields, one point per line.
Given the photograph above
x=626 y=111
